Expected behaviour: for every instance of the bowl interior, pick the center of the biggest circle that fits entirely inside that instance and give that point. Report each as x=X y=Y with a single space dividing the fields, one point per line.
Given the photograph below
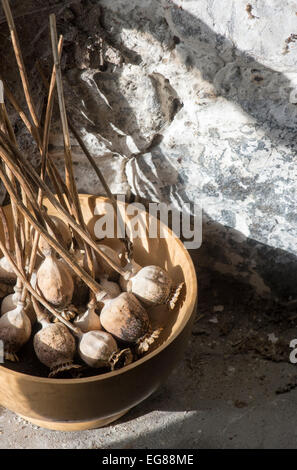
x=166 y=251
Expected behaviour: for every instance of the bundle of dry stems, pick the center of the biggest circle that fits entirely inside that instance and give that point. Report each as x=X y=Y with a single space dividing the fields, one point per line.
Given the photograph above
x=90 y=307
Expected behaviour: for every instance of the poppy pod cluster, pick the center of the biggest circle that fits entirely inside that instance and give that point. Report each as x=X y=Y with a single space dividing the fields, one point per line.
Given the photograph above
x=110 y=330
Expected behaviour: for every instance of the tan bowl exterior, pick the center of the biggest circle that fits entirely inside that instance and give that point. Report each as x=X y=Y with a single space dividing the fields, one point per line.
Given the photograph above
x=72 y=404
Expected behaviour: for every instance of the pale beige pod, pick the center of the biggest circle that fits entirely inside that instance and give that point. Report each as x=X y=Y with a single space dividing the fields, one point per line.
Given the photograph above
x=89 y=320
x=111 y=288
x=15 y=331
x=55 y=347
x=153 y=286
x=54 y=281
x=6 y=271
x=10 y=301
x=99 y=349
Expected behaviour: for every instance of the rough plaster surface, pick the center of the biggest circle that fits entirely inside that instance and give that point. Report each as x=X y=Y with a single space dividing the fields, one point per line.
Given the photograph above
x=187 y=101
x=235 y=387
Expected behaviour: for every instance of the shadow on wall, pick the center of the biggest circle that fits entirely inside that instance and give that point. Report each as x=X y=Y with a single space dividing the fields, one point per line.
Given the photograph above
x=240 y=79
x=270 y=271
x=236 y=75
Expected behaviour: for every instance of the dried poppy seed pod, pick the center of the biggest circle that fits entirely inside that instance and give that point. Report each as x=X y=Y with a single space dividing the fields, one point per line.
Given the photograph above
x=54 y=281
x=10 y=301
x=15 y=331
x=99 y=349
x=55 y=347
x=89 y=320
x=63 y=232
x=125 y=318
x=6 y=270
x=153 y=286
x=112 y=288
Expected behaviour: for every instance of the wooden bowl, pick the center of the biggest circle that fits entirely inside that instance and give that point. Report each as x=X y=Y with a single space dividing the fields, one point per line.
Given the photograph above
x=85 y=403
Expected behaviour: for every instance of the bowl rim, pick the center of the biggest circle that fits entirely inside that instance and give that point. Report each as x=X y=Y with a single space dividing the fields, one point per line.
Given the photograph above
x=145 y=358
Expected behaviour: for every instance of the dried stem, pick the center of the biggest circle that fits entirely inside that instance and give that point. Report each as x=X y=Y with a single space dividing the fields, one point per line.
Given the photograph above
x=38 y=297
x=95 y=167
x=35 y=128
x=25 y=228
x=15 y=214
x=60 y=187
x=98 y=172
x=55 y=176
x=31 y=128
x=44 y=154
x=69 y=176
x=70 y=182
x=5 y=229
x=20 y=62
x=91 y=283
x=65 y=215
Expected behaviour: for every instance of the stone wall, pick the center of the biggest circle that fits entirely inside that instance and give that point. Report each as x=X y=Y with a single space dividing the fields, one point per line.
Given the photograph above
x=184 y=100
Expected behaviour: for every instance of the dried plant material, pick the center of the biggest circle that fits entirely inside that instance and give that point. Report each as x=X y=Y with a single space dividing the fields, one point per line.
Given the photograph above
x=174 y=295
x=99 y=349
x=125 y=318
x=6 y=270
x=89 y=320
x=151 y=285
x=132 y=268
x=5 y=225
x=10 y=301
x=55 y=347
x=55 y=282
x=20 y=61
x=69 y=313
x=111 y=288
x=128 y=244
x=69 y=219
x=95 y=266
x=35 y=295
x=144 y=343
x=6 y=288
x=64 y=235
x=15 y=331
x=29 y=310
